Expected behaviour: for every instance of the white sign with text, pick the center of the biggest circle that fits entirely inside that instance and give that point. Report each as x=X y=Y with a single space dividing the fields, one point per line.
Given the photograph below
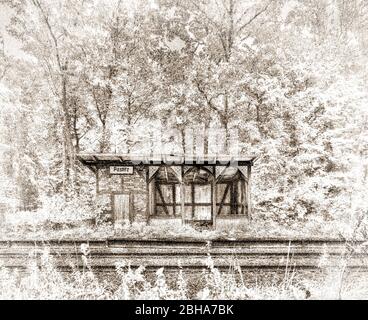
x=121 y=170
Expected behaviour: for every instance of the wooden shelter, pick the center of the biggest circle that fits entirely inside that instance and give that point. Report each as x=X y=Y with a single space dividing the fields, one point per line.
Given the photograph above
x=204 y=190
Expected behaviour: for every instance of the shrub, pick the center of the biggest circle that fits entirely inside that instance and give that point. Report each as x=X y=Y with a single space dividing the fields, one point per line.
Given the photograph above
x=56 y=211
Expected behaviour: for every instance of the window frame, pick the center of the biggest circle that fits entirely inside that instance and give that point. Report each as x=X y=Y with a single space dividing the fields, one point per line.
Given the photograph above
x=232 y=188
x=236 y=190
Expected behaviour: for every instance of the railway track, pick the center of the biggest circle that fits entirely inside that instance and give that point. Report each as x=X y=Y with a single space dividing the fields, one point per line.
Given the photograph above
x=188 y=254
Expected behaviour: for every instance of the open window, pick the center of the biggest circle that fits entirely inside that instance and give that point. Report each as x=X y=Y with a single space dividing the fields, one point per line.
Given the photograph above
x=198 y=194
x=231 y=193
x=166 y=193
x=228 y=196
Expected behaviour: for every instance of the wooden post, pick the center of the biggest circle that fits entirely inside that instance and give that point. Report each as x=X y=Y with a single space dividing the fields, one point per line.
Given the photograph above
x=193 y=200
x=131 y=216
x=214 y=198
x=249 y=199
x=97 y=181
x=182 y=195
x=150 y=198
x=243 y=189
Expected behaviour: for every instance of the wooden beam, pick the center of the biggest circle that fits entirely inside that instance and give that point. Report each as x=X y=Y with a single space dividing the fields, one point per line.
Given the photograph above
x=131 y=207
x=166 y=174
x=151 y=172
x=214 y=197
x=223 y=198
x=182 y=195
x=232 y=198
x=243 y=196
x=154 y=197
x=249 y=199
x=90 y=167
x=177 y=171
x=162 y=198
x=173 y=188
x=150 y=198
x=235 y=197
x=98 y=181
x=193 y=199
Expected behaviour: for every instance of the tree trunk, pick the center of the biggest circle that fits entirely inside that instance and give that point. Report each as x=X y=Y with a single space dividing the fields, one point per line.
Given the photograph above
x=104 y=140
x=182 y=132
x=225 y=123
x=69 y=154
x=205 y=137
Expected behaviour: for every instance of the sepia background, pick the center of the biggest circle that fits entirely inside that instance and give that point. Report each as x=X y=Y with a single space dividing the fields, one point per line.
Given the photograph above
x=104 y=76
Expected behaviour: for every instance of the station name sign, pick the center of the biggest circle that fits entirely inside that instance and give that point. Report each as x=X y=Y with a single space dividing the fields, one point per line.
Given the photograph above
x=121 y=170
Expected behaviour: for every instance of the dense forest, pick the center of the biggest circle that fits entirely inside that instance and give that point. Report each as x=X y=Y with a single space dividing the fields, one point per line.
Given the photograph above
x=101 y=75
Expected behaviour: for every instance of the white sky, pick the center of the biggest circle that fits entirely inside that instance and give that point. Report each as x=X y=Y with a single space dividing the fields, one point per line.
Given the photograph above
x=12 y=46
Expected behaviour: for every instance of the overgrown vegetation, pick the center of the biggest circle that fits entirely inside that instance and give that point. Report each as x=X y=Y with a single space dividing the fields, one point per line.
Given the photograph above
x=27 y=225
x=42 y=280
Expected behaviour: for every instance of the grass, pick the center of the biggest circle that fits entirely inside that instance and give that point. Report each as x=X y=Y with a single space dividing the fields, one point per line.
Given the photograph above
x=42 y=280
x=28 y=229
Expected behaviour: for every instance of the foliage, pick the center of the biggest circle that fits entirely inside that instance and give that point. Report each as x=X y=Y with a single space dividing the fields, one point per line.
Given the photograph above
x=55 y=213
x=90 y=75
x=38 y=226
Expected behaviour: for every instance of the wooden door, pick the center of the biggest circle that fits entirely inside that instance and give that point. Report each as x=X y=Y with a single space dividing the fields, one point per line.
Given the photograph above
x=121 y=208
x=202 y=202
